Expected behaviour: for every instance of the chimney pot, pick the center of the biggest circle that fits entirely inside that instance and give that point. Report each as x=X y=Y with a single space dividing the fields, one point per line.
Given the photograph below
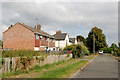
x=58 y=32
x=38 y=26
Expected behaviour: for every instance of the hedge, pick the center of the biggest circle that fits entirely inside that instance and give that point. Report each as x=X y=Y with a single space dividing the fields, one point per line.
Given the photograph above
x=107 y=49
x=21 y=53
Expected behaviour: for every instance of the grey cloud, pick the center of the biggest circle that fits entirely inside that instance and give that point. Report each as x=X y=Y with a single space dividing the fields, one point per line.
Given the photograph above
x=71 y=17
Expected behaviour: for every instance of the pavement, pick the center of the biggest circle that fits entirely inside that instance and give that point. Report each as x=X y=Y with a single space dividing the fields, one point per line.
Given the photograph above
x=103 y=66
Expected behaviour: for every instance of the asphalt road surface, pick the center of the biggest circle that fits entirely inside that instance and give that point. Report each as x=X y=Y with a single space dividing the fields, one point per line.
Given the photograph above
x=103 y=66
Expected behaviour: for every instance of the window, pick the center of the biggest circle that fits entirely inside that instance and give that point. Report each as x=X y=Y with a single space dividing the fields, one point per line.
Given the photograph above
x=36 y=36
x=41 y=37
x=49 y=39
x=46 y=39
x=53 y=40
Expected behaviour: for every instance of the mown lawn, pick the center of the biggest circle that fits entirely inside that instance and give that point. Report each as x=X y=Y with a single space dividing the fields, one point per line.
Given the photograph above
x=63 y=72
x=90 y=58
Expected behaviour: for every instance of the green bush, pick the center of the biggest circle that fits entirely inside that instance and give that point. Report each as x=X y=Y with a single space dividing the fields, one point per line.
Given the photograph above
x=68 y=54
x=78 y=50
x=107 y=49
x=115 y=52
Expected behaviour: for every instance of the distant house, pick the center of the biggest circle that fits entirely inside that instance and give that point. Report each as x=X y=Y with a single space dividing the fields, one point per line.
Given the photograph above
x=72 y=41
x=22 y=36
x=61 y=39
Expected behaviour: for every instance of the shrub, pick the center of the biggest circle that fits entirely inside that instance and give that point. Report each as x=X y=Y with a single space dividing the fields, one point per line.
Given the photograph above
x=78 y=50
x=68 y=54
x=112 y=52
x=107 y=49
x=20 y=53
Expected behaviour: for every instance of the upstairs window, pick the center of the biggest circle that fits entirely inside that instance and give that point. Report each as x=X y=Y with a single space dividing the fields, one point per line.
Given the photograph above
x=36 y=36
x=46 y=39
x=53 y=40
x=49 y=39
x=41 y=37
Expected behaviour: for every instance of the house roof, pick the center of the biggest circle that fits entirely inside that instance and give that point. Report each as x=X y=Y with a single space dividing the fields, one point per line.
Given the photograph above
x=72 y=40
x=60 y=36
x=35 y=30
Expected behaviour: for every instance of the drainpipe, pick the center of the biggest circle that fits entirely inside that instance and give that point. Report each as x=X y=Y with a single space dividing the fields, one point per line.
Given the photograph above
x=48 y=43
x=40 y=41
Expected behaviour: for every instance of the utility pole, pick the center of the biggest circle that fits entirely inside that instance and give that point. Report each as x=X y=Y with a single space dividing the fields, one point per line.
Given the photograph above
x=93 y=43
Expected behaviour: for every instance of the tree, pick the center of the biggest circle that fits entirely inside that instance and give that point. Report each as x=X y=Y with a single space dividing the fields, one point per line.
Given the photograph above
x=119 y=44
x=78 y=50
x=82 y=39
x=115 y=49
x=100 y=39
x=114 y=46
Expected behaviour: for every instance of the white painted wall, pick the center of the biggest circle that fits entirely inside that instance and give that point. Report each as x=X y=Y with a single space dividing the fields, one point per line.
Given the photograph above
x=36 y=48
x=75 y=40
x=69 y=43
x=62 y=43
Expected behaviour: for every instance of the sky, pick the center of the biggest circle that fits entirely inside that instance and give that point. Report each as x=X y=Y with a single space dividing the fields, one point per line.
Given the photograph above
x=74 y=18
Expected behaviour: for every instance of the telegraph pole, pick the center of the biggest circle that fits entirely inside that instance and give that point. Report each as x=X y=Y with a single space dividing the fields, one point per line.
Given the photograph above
x=93 y=43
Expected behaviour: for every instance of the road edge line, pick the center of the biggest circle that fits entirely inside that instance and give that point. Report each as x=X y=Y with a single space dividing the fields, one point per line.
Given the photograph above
x=82 y=67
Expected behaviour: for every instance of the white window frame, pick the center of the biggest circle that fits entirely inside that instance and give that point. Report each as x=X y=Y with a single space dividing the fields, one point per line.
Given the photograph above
x=36 y=36
x=46 y=38
x=53 y=40
x=49 y=39
x=41 y=37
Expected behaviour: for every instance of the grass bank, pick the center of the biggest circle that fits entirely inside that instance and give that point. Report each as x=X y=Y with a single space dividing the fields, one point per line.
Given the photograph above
x=61 y=69
x=63 y=72
x=90 y=58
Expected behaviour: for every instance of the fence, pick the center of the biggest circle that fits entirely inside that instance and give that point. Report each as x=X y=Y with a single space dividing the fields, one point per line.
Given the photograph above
x=17 y=63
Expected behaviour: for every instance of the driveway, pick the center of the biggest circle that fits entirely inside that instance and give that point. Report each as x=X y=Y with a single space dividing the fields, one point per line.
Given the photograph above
x=103 y=66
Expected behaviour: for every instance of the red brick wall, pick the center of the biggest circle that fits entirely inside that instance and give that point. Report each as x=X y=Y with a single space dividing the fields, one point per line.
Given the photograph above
x=37 y=43
x=18 y=37
x=52 y=44
x=44 y=42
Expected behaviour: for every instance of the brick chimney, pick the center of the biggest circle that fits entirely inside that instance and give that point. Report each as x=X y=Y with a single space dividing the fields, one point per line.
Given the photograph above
x=58 y=32
x=38 y=26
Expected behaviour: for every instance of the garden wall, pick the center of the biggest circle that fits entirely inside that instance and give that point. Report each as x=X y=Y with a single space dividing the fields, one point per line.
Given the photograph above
x=25 y=63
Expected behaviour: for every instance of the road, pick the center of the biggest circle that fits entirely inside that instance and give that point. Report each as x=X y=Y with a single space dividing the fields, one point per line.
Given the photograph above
x=103 y=66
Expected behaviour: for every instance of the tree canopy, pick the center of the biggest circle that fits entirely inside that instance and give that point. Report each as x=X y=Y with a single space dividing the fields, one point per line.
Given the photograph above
x=100 y=39
x=114 y=46
x=119 y=44
x=82 y=39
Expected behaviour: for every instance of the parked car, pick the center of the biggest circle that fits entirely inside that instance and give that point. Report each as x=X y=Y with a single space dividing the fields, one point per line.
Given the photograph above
x=100 y=51
x=51 y=49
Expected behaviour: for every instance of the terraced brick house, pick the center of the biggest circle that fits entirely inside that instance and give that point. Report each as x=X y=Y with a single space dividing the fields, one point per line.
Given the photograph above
x=22 y=36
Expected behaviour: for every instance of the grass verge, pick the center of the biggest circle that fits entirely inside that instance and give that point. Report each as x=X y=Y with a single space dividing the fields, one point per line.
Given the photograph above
x=63 y=72
x=37 y=68
x=90 y=58
x=61 y=69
